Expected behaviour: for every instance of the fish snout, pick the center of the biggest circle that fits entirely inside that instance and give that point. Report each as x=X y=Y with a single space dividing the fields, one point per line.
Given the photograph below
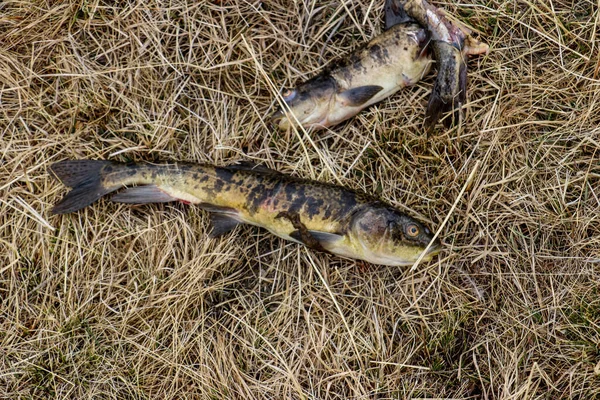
x=278 y=120
x=435 y=248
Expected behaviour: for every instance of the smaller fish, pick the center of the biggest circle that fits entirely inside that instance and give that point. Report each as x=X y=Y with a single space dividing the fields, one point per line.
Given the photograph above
x=393 y=60
x=399 y=57
x=321 y=216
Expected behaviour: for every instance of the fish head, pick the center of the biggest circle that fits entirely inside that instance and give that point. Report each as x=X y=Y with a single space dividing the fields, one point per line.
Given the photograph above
x=388 y=237
x=309 y=103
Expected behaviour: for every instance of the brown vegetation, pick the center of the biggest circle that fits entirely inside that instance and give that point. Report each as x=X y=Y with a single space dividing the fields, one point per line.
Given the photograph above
x=136 y=302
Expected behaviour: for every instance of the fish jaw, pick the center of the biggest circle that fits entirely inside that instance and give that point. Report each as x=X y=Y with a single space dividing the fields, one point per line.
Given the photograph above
x=307 y=105
x=317 y=118
x=381 y=234
x=351 y=247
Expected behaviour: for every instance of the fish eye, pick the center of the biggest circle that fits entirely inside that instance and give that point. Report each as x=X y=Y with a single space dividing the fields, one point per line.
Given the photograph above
x=288 y=94
x=412 y=230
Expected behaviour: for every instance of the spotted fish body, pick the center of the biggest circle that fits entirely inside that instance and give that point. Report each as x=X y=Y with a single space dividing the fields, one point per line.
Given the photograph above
x=319 y=215
x=391 y=61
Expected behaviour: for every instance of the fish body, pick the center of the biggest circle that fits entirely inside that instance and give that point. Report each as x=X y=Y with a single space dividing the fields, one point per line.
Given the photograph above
x=322 y=216
x=397 y=58
x=391 y=61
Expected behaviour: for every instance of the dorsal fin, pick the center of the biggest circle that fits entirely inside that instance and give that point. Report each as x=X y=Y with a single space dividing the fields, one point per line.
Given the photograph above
x=251 y=166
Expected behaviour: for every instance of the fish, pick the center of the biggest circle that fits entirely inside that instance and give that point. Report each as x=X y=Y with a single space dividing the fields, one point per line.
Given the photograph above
x=321 y=216
x=399 y=57
x=452 y=43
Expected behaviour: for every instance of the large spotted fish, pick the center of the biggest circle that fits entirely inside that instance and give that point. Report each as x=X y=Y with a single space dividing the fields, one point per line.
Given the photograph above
x=322 y=216
x=416 y=33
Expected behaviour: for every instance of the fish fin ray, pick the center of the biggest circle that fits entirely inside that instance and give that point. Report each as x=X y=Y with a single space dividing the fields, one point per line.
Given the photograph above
x=74 y=173
x=217 y=209
x=358 y=96
x=85 y=177
x=143 y=195
x=315 y=239
x=222 y=223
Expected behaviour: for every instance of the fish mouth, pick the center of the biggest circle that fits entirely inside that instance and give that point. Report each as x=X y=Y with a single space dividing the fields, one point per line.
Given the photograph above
x=435 y=248
x=278 y=120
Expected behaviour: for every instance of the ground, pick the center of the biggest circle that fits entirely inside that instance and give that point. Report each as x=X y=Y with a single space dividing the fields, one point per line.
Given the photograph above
x=137 y=302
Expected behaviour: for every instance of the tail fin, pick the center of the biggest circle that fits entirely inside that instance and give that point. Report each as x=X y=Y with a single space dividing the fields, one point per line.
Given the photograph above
x=394 y=14
x=85 y=177
x=450 y=88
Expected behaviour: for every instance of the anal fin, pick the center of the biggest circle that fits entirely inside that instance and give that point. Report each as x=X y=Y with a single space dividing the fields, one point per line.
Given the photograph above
x=143 y=195
x=222 y=223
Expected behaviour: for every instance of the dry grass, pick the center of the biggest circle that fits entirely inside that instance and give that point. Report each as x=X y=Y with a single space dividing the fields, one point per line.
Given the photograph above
x=136 y=302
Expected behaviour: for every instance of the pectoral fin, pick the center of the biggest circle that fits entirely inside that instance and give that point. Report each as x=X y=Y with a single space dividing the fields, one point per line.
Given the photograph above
x=450 y=88
x=325 y=238
x=358 y=96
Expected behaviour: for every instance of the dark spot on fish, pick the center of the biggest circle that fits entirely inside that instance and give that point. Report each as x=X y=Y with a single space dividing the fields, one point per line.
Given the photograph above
x=224 y=174
x=313 y=206
x=195 y=175
x=289 y=192
x=379 y=54
x=358 y=66
x=108 y=168
x=204 y=178
x=257 y=196
x=297 y=203
x=406 y=49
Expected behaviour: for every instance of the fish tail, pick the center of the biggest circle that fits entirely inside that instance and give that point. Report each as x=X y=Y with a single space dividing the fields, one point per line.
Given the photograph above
x=85 y=179
x=450 y=89
x=394 y=14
